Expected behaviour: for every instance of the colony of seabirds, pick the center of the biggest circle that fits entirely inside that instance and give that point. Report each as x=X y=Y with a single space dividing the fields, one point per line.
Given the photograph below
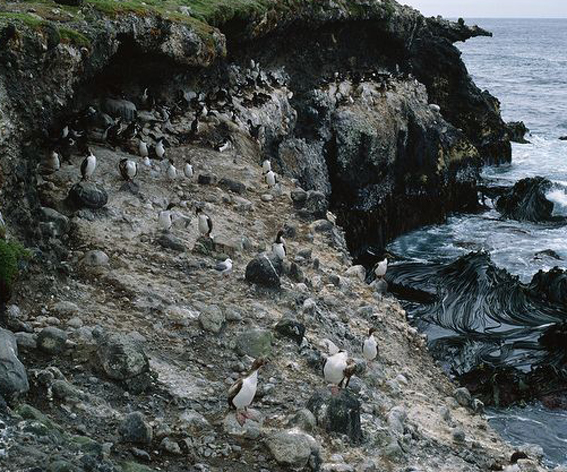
x=74 y=137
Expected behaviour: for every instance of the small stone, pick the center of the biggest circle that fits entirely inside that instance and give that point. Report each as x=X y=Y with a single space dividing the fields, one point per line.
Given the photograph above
x=26 y=341
x=169 y=241
x=463 y=396
x=52 y=340
x=267 y=197
x=292 y=448
x=95 y=258
x=75 y=322
x=458 y=435
x=170 y=446
x=64 y=390
x=251 y=428
x=212 y=319
x=193 y=422
x=304 y=420
x=65 y=308
x=134 y=429
x=291 y=329
x=120 y=357
x=357 y=272
x=255 y=343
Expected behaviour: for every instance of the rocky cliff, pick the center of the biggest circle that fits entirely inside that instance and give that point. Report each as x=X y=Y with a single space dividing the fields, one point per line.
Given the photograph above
x=128 y=337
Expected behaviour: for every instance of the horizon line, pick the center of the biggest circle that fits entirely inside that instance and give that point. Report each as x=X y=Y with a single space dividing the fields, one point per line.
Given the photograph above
x=502 y=17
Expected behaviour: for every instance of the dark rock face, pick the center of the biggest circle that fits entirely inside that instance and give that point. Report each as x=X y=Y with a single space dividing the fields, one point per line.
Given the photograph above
x=13 y=377
x=518 y=131
x=135 y=429
x=264 y=270
x=337 y=413
x=87 y=195
x=526 y=201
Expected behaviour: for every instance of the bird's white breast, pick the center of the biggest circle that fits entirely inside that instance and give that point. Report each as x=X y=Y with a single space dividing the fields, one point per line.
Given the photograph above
x=334 y=368
x=278 y=250
x=171 y=172
x=164 y=219
x=247 y=392
x=91 y=164
x=188 y=170
x=203 y=224
x=370 y=348
x=271 y=179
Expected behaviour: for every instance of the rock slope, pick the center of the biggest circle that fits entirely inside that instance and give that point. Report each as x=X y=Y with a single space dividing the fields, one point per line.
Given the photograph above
x=129 y=336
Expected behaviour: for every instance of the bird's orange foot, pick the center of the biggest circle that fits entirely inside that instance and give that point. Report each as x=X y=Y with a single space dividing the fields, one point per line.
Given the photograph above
x=241 y=418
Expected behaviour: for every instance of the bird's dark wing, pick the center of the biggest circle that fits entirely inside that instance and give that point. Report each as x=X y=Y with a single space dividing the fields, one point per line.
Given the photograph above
x=84 y=166
x=233 y=391
x=210 y=224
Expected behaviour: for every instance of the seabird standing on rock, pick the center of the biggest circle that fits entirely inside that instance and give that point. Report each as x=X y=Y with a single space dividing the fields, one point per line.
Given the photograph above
x=370 y=346
x=143 y=148
x=188 y=169
x=224 y=267
x=381 y=268
x=171 y=171
x=51 y=164
x=278 y=248
x=337 y=369
x=224 y=146
x=243 y=391
x=165 y=218
x=128 y=169
x=271 y=178
x=160 y=148
x=205 y=223
x=266 y=166
x=88 y=166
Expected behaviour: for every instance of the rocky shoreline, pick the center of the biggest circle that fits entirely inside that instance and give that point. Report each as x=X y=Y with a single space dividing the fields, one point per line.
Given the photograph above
x=128 y=339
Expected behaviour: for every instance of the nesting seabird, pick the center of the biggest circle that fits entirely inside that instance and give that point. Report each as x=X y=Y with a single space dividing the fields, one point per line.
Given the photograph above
x=165 y=218
x=338 y=369
x=128 y=169
x=205 y=224
x=278 y=247
x=51 y=164
x=370 y=346
x=243 y=391
x=224 y=146
x=381 y=268
x=88 y=166
x=171 y=171
x=188 y=169
x=143 y=148
x=271 y=178
x=160 y=148
x=130 y=132
x=224 y=267
x=266 y=166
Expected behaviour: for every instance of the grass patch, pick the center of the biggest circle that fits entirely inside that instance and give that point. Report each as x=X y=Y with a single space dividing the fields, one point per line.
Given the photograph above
x=25 y=18
x=11 y=254
x=71 y=36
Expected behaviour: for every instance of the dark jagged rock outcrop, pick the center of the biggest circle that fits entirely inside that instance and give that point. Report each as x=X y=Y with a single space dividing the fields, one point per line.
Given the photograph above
x=526 y=201
x=518 y=131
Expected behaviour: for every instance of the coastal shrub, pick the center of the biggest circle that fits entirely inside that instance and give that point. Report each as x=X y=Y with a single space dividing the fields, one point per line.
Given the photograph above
x=11 y=254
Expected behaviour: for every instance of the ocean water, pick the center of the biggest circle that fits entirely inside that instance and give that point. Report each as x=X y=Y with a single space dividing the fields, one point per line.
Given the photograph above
x=525 y=66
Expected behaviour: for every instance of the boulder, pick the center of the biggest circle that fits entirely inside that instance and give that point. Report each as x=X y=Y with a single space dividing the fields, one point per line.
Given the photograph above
x=254 y=343
x=87 y=195
x=232 y=185
x=518 y=131
x=134 y=429
x=120 y=357
x=526 y=201
x=292 y=448
x=265 y=270
x=118 y=107
x=169 y=241
x=211 y=319
x=52 y=340
x=463 y=396
x=292 y=329
x=251 y=429
x=53 y=223
x=13 y=376
x=95 y=258
x=337 y=413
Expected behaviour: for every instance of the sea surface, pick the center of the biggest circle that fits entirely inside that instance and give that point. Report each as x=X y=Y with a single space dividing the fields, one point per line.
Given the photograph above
x=525 y=66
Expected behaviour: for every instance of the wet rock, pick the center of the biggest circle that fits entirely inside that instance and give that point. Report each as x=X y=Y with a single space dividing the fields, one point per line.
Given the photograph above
x=56 y=223
x=232 y=185
x=13 y=376
x=292 y=329
x=134 y=429
x=518 y=131
x=95 y=258
x=463 y=396
x=124 y=109
x=254 y=343
x=87 y=195
x=526 y=201
x=292 y=448
x=337 y=413
x=212 y=319
x=52 y=340
x=169 y=241
x=264 y=270
x=120 y=357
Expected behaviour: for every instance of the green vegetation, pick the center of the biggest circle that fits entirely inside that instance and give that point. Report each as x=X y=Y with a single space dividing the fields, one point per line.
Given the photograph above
x=11 y=253
x=25 y=18
x=74 y=37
